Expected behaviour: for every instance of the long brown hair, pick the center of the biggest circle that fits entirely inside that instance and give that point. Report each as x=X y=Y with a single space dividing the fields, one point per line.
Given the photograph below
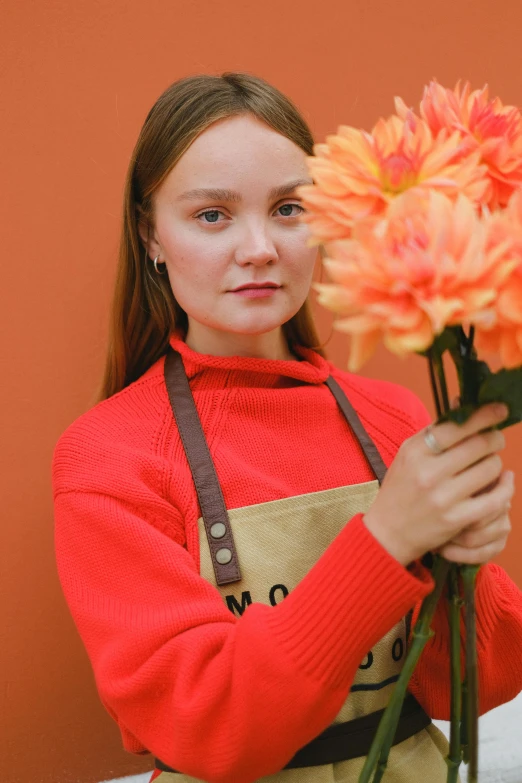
x=144 y=311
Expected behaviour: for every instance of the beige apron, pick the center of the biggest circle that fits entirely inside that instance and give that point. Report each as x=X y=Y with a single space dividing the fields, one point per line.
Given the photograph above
x=277 y=543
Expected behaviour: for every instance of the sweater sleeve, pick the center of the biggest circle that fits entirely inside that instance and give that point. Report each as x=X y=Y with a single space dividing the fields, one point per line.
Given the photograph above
x=499 y=638
x=175 y=668
x=499 y=647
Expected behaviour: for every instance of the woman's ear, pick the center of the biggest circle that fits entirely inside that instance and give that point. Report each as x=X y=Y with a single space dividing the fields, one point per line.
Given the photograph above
x=148 y=241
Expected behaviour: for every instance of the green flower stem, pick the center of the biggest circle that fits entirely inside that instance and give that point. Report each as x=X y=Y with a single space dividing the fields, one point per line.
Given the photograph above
x=380 y=749
x=469 y=384
x=464 y=740
x=439 y=366
x=454 y=757
x=471 y=705
x=433 y=379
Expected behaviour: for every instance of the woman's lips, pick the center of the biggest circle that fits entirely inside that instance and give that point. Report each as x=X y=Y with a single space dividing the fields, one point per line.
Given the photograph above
x=256 y=293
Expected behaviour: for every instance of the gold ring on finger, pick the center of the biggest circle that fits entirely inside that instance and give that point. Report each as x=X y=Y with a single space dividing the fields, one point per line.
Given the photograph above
x=431 y=441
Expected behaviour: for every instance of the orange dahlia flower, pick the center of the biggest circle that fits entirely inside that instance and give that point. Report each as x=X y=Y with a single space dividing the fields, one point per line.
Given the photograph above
x=502 y=333
x=404 y=277
x=486 y=125
x=357 y=174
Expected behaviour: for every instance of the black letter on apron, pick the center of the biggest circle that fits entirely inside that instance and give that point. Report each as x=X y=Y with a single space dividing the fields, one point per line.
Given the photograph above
x=273 y=589
x=369 y=661
x=397 y=649
x=233 y=605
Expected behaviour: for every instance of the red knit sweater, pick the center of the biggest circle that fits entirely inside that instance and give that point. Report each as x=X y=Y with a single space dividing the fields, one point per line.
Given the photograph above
x=221 y=697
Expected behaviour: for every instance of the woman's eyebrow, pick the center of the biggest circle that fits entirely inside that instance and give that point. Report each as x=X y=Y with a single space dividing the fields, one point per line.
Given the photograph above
x=221 y=194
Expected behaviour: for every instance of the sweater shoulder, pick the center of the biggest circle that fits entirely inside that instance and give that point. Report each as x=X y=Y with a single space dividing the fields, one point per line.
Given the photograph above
x=384 y=403
x=115 y=436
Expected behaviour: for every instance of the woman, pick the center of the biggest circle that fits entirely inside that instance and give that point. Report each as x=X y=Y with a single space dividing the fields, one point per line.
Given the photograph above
x=241 y=572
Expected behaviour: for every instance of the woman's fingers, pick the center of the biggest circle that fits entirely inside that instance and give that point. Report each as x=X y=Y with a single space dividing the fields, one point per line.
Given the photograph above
x=488 y=544
x=448 y=434
x=476 y=512
x=470 y=482
x=470 y=451
x=479 y=542
x=486 y=534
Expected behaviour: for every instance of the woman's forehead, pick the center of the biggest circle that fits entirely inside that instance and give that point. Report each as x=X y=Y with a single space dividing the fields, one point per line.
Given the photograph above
x=233 y=151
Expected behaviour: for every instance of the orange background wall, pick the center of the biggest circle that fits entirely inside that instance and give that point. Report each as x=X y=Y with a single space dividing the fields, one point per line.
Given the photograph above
x=77 y=80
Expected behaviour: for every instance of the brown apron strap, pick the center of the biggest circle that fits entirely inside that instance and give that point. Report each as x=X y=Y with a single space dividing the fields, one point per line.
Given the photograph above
x=350 y=740
x=213 y=509
x=368 y=446
x=212 y=504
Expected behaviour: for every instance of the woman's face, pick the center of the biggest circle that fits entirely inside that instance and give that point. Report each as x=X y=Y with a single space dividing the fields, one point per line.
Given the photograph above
x=246 y=232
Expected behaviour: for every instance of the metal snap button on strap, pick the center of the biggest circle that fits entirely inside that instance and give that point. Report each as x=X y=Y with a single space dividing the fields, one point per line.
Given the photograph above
x=223 y=556
x=218 y=530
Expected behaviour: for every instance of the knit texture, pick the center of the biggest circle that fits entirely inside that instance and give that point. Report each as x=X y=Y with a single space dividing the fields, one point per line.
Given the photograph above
x=221 y=697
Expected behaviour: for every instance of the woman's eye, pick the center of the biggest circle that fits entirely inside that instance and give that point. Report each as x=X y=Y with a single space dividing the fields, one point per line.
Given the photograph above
x=210 y=216
x=213 y=215
x=289 y=207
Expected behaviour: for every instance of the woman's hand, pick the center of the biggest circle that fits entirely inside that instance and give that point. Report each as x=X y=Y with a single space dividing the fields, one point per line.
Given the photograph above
x=455 y=502
x=484 y=540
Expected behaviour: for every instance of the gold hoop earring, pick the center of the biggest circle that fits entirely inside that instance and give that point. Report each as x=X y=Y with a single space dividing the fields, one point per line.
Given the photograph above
x=155 y=262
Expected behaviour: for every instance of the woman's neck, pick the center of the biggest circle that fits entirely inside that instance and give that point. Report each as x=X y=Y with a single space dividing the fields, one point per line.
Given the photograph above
x=271 y=345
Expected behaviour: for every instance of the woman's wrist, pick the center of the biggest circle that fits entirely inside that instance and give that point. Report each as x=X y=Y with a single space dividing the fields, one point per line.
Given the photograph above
x=390 y=542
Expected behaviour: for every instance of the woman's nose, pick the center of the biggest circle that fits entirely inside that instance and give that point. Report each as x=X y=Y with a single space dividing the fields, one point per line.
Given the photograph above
x=256 y=246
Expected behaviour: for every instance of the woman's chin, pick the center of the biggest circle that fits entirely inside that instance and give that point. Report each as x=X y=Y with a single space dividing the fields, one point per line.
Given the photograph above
x=258 y=319
x=256 y=324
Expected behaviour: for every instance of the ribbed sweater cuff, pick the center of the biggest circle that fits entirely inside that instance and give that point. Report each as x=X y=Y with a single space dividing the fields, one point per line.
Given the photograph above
x=354 y=594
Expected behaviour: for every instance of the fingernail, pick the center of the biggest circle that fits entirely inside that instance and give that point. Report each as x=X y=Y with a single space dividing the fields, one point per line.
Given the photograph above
x=501 y=409
x=510 y=475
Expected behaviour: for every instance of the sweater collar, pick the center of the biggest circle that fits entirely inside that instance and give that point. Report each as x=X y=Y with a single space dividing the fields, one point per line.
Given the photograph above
x=312 y=368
